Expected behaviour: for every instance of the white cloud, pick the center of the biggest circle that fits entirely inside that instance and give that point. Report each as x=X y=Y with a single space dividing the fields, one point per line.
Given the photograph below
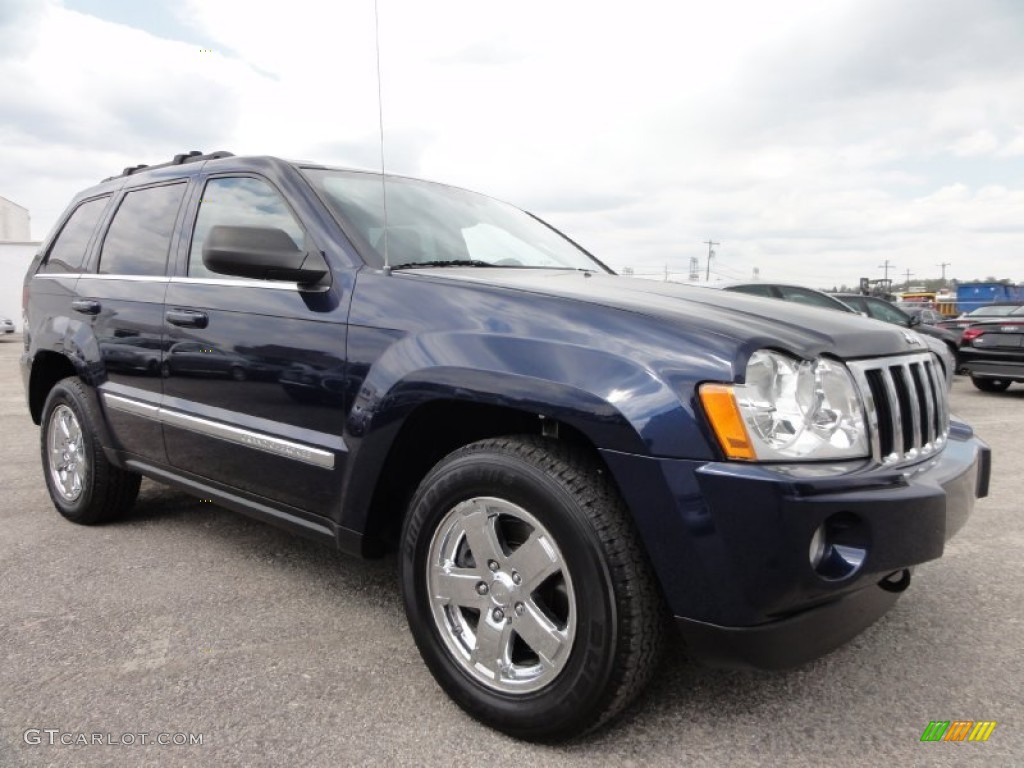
x=813 y=140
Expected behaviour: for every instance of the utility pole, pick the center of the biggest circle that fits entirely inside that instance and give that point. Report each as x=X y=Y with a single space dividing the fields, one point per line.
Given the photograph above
x=909 y=273
x=694 y=269
x=943 y=265
x=887 y=266
x=711 y=253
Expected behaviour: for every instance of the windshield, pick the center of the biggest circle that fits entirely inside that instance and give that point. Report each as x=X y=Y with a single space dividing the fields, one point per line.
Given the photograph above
x=436 y=225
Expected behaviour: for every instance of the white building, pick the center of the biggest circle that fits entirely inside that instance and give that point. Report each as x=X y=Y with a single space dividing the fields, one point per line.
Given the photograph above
x=16 y=251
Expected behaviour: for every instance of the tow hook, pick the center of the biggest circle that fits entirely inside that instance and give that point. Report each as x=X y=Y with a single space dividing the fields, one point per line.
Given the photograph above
x=897 y=581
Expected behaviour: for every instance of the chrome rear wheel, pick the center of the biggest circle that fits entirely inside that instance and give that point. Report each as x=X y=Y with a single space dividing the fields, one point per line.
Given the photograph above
x=64 y=443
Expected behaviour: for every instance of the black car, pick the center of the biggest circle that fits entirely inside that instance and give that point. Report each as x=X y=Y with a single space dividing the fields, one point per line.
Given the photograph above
x=992 y=352
x=880 y=309
x=561 y=457
x=992 y=311
x=797 y=294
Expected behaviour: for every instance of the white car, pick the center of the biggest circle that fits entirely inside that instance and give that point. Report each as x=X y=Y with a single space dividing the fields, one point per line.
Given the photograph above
x=6 y=325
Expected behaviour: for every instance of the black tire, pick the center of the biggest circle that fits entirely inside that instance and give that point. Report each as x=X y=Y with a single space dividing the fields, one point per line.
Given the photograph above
x=617 y=614
x=990 y=385
x=96 y=490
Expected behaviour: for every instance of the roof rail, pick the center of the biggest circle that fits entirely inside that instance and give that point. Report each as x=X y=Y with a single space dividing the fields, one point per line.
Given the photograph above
x=194 y=156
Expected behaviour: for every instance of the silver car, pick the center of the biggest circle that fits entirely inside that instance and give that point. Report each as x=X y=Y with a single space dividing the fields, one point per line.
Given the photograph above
x=6 y=325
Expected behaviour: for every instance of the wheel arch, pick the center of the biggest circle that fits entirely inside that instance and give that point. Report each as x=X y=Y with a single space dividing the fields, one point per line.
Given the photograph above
x=430 y=432
x=47 y=369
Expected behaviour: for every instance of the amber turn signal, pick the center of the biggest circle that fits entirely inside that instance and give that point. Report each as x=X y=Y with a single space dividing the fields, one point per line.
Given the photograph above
x=723 y=413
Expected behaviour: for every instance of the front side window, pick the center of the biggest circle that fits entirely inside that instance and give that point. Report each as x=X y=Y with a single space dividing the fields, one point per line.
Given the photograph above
x=68 y=251
x=139 y=237
x=241 y=202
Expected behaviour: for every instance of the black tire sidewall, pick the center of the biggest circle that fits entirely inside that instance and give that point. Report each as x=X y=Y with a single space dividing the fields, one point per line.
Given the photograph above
x=991 y=385
x=64 y=394
x=576 y=694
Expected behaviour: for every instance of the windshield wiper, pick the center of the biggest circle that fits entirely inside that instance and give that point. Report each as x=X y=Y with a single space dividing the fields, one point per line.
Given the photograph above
x=447 y=263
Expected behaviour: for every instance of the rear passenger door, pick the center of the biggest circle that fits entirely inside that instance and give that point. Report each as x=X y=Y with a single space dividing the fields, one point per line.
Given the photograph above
x=254 y=394
x=123 y=296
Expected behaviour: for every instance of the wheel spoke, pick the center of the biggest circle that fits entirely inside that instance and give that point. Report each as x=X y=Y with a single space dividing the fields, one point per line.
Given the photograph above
x=479 y=526
x=492 y=646
x=64 y=422
x=535 y=560
x=457 y=586
x=66 y=482
x=538 y=632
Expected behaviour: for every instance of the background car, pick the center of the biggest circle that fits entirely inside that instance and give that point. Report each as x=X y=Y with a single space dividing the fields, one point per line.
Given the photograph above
x=798 y=294
x=992 y=352
x=794 y=293
x=926 y=315
x=987 y=312
x=6 y=325
x=880 y=309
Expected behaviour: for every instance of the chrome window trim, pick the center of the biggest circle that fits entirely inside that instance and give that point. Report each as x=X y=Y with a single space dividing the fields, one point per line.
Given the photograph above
x=276 y=285
x=129 y=278
x=260 y=441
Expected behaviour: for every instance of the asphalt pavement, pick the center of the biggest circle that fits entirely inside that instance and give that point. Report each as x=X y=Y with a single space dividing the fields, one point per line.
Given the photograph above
x=187 y=622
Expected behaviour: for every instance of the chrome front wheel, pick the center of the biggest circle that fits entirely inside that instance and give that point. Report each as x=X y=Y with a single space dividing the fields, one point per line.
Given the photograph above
x=526 y=588
x=501 y=595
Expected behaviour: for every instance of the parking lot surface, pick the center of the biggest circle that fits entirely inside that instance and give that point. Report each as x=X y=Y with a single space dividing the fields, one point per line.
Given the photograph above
x=188 y=622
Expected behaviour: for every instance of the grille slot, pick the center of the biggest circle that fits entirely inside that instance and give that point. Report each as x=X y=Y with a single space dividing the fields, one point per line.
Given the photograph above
x=908 y=414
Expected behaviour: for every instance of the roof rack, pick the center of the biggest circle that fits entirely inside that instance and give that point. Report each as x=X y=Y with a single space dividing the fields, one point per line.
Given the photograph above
x=194 y=156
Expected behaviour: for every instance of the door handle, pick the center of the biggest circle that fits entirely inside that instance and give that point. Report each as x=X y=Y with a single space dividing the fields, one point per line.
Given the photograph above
x=187 y=318
x=86 y=306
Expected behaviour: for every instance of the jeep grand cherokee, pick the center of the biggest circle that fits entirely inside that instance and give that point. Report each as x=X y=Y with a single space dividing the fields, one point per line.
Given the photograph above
x=561 y=456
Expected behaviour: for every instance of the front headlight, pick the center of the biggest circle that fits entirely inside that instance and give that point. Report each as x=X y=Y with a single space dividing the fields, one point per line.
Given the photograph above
x=788 y=410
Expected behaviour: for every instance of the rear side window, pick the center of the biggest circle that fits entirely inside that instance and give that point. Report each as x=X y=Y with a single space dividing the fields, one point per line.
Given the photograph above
x=140 y=234
x=68 y=251
x=242 y=202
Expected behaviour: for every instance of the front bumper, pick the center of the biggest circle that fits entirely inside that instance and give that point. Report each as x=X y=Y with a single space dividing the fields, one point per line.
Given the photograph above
x=730 y=544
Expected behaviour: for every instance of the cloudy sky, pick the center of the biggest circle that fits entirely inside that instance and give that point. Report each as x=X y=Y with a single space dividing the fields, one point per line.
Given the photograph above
x=813 y=140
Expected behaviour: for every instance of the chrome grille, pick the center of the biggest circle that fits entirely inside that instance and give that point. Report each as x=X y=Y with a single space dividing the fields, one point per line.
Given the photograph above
x=907 y=407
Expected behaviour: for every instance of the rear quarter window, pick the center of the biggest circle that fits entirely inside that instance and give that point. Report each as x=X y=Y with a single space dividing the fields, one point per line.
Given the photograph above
x=68 y=252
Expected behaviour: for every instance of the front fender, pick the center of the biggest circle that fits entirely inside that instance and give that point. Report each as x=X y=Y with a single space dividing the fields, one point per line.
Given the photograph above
x=617 y=403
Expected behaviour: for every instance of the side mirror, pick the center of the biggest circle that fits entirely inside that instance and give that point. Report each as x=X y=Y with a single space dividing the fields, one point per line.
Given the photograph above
x=915 y=320
x=265 y=253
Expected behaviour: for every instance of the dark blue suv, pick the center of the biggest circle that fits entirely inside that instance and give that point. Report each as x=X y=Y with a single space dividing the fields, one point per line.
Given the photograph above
x=563 y=458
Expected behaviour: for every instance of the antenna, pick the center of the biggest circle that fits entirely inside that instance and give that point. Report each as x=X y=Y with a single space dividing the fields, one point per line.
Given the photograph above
x=380 y=122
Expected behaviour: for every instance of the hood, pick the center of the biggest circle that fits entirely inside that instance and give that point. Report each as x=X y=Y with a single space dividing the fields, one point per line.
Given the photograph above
x=749 y=320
